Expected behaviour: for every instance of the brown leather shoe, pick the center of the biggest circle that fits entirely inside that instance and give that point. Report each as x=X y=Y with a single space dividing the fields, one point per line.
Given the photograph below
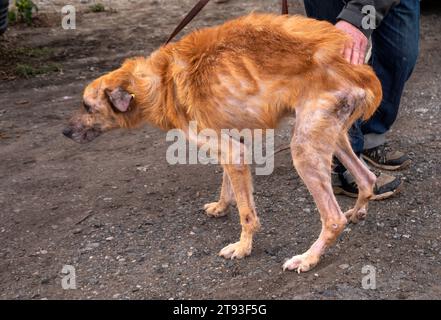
x=384 y=157
x=386 y=186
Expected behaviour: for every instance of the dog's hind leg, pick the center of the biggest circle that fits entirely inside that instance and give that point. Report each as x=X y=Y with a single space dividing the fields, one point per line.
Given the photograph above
x=364 y=178
x=313 y=144
x=220 y=208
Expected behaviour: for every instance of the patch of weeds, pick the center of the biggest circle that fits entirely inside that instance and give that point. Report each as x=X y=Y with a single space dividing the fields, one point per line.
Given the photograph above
x=43 y=52
x=28 y=71
x=26 y=62
x=97 y=7
x=25 y=10
x=12 y=16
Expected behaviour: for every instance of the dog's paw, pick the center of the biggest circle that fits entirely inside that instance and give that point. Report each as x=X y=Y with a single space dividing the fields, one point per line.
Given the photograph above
x=236 y=250
x=216 y=209
x=355 y=216
x=301 y=263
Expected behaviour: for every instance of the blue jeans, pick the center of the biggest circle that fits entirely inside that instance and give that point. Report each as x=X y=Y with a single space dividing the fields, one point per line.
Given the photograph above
x=395 y=48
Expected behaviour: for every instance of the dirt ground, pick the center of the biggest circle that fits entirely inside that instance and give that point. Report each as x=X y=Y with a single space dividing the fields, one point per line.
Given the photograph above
x=132 y=225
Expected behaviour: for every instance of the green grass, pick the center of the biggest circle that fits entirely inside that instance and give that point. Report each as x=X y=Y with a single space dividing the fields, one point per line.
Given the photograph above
x=42 y=52
x=28 y=71
x=27 y=62
x=12 y=16
x=97 y=7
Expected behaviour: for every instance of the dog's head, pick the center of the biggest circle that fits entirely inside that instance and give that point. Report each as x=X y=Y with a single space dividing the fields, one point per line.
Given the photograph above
x=108 y=103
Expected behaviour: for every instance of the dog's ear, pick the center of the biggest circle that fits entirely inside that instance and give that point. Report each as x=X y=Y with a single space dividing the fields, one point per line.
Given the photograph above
x=119 y=98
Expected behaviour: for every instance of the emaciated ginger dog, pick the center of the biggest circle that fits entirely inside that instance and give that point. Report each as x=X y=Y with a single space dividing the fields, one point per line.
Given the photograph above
x=250 y=73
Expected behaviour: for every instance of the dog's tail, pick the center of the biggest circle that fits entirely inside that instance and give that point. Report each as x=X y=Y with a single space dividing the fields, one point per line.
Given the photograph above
x=374 y=92
x=364 y=77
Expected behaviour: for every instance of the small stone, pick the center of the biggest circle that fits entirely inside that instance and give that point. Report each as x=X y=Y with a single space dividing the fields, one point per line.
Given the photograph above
x=21 y=102
x=165 y=265
x=143 y=169
x=43 y=251
x=343 y=266
x=91 y=246
x=109 y=238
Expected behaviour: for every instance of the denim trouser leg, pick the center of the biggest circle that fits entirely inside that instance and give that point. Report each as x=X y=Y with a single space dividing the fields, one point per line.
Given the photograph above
x=394 y=54
x=395 y=47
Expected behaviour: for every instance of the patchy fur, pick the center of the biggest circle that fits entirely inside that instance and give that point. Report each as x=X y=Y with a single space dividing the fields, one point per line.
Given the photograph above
x=250 y=73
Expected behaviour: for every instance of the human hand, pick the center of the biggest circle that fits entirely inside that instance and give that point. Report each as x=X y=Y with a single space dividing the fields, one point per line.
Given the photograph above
x=355 y=49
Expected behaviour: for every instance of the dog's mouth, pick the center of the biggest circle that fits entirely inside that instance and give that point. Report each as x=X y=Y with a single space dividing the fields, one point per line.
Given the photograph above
x=81 y=135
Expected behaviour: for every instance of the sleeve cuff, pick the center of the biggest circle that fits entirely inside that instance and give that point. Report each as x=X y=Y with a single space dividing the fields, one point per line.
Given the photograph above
x=354 y=17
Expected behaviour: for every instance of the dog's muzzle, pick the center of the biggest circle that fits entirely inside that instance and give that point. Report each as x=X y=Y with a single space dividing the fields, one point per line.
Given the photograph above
x=81 y=135
x=68 y=132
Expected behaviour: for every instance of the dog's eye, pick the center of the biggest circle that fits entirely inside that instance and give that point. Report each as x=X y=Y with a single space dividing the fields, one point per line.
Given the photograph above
x=87 y=107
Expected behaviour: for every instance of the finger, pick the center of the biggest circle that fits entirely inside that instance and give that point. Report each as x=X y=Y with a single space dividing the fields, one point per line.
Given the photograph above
x=355 y=54
x=348 y=52
x=363 y=51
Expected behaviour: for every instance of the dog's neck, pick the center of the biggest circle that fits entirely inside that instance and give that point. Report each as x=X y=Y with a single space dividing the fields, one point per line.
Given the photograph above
x=153 y=86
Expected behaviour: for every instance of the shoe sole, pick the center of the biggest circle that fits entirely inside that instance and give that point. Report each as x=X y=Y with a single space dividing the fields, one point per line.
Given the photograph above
x=379 y=197
x=402 y=166
x=340 y=191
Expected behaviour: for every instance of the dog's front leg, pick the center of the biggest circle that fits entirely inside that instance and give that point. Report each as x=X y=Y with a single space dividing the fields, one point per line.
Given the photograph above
x=237 y=181
x=220 y=208
x=239 y=173
x=241 y=182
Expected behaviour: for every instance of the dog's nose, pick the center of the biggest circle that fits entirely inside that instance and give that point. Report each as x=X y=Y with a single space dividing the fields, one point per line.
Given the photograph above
x=68 y=132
